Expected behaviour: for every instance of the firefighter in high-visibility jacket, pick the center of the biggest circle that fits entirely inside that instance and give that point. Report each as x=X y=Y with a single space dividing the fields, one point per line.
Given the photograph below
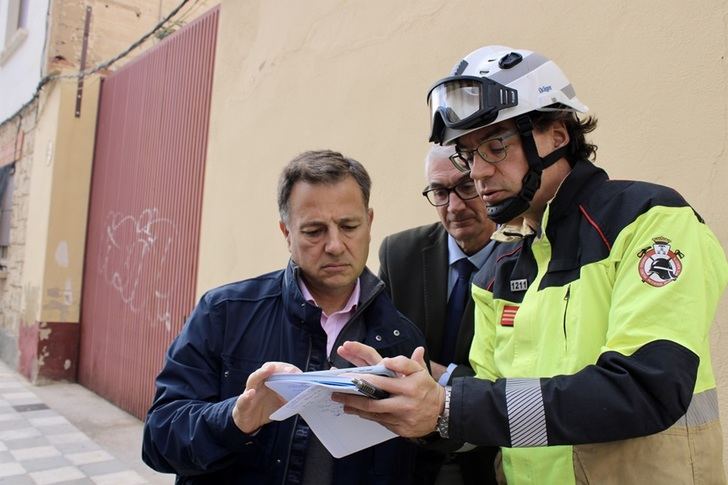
x=591 y=345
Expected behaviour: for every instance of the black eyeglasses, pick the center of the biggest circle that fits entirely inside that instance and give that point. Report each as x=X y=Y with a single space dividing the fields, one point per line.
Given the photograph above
x=439 y=196
x=492 y=150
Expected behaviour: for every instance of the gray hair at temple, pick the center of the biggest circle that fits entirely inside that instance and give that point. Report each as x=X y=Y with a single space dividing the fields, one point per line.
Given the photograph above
x=320 y=167
x=437 y=152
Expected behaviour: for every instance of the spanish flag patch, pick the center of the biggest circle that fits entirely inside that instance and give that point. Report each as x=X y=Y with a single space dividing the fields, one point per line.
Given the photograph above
x=508 y=315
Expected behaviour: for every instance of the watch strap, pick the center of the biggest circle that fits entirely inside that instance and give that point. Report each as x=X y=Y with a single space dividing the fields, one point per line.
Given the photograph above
x=443 y=420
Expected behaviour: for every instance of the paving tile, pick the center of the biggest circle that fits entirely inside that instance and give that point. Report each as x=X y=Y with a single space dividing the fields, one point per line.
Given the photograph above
x=103 y=468
x=50 y=463
x=86 y=457
x=11 y=417
x=75 y=437
x=14 y=397
x=29 y=401
x=15 y=434
x=10 y=384
x=6 y=457
x=48 y=421
x=36 y=452
x=57 y=475
x=78 y=447
x=32 y=442
x=13 y=424
x=39 y=446
x=10 y=469
x=39 y=413
x=127 y=478
x=67 y=428
x=32 y=406
x=26 y=401
x=18 y=480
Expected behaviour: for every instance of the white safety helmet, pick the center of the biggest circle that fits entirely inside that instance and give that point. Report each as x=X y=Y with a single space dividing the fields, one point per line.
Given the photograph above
x=493 y=84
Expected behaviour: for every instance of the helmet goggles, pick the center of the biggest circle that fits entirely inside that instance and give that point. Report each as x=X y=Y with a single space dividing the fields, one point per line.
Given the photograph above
x=462 y=102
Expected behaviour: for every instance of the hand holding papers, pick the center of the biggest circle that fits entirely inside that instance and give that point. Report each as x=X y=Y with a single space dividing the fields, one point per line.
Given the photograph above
x=338 y=380
x=309 y=394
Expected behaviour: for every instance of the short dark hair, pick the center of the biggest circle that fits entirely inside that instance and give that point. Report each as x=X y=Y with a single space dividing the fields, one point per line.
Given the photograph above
x=320 y=167
x=578 y=148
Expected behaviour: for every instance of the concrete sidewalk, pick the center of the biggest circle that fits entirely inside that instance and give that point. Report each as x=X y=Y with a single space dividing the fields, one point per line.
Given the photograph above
x=64 y=433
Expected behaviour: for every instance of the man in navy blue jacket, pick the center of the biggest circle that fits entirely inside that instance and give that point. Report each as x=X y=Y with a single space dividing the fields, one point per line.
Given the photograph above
x=209 y=422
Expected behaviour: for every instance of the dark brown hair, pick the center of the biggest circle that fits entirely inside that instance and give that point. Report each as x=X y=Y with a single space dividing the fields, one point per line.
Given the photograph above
x=320 y=167
x=579 y=148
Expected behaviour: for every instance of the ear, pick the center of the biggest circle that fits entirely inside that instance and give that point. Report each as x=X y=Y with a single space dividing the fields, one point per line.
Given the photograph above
x=370 y=215
x=286 y=233
x=559 y=134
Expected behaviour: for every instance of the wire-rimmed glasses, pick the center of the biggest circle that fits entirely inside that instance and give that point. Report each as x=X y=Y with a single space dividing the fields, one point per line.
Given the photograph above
x=492 y=150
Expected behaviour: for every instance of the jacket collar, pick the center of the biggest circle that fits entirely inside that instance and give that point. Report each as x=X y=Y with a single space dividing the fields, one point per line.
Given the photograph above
x=575 y=188
x=302 y=311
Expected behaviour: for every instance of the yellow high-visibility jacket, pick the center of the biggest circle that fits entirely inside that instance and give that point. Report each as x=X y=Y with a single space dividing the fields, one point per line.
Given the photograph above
x=591 y=346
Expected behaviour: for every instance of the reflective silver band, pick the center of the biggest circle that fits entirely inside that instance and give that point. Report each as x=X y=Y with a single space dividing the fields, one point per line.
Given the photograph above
x=568 y=91
x=526 y=417
x=703 y=409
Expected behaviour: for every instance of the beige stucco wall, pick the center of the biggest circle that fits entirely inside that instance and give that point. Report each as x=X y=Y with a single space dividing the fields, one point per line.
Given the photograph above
x=353 y=76
x=60 y=182
x=113 y=27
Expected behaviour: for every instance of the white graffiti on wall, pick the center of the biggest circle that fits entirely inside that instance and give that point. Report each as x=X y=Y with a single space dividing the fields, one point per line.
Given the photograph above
x=135 y=259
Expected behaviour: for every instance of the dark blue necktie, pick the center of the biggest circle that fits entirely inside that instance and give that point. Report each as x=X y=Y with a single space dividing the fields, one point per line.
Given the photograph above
x=455 y=308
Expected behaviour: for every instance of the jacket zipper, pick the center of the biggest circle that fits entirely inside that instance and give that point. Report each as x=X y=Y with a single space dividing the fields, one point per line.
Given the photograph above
x=295 y=421
x=566 y=308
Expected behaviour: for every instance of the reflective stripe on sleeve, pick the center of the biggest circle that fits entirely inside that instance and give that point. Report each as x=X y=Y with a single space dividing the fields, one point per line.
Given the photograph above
x=526 y=417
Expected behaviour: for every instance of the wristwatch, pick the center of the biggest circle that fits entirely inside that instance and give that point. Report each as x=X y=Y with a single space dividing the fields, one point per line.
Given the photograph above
x=443 y=420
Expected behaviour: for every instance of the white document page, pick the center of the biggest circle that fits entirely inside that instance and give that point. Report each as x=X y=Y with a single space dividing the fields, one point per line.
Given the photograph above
x=342 y=434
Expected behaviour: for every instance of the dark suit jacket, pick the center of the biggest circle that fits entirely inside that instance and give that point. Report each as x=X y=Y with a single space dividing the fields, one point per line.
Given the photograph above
x=414 y=267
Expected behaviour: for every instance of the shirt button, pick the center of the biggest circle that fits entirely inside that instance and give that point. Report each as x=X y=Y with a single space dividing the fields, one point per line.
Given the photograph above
x=226 y=373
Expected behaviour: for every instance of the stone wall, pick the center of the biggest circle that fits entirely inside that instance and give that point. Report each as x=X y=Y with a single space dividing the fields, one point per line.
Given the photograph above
x=18 y=135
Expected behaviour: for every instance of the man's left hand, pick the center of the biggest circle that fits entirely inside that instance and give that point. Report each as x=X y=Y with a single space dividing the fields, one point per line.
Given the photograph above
x=415 y=401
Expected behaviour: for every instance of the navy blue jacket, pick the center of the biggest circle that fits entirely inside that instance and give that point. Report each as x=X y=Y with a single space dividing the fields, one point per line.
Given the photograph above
x=232 y=332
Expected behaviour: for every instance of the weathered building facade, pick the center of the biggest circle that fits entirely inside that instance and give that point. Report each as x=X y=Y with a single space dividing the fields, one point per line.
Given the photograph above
x=48 y=116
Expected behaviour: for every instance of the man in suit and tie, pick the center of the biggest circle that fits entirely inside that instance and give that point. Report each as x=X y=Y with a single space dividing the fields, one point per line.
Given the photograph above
x=427 y=272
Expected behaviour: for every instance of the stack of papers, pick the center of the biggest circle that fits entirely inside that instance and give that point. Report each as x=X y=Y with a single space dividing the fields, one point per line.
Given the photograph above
x=309 y=394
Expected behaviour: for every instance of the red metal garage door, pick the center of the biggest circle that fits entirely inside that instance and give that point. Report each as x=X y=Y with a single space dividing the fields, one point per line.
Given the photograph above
x=144 y=216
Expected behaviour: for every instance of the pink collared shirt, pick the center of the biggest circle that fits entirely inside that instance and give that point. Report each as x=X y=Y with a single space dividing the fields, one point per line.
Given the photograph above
x=332 y=324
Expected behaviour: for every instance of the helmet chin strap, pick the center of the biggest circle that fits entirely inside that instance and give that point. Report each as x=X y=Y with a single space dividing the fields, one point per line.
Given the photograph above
x=512 y=207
